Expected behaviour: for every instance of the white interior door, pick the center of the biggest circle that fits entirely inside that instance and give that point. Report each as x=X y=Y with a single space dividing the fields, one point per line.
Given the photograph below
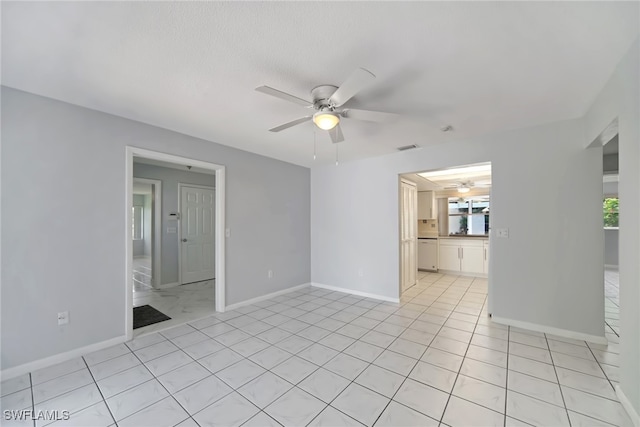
x=197 y=239
x=408 y=234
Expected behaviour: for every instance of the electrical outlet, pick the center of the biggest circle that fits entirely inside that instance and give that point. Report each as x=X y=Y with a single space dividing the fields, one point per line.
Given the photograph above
x=227 y=232
x=360 y=273
x=63 y=318
x=270 y=274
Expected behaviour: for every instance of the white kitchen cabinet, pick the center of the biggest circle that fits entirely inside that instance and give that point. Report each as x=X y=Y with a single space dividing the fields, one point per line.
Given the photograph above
x=449 y=255
x=462 y=255
x=408 y=234
x=427 y=207
x=472 y=258
x=427 y=254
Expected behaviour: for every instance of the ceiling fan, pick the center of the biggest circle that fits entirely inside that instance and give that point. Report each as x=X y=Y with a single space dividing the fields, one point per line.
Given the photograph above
x=466 y=186
x=328 y=102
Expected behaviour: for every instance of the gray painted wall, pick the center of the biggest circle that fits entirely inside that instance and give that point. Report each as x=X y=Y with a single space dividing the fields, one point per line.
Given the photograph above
x=619 y=99
x=611 y=246
x=551 y=256
x=610 y=163
x=170 y=203
x=267 y=212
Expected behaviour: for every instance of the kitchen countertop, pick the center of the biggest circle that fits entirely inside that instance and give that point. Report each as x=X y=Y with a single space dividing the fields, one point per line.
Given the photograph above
x=465 y=236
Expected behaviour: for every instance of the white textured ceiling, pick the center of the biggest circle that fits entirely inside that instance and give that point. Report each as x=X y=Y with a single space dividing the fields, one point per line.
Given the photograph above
x=192 y=67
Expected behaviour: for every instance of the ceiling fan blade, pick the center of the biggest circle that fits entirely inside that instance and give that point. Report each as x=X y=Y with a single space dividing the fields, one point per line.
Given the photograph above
x=291 y=124
x=283 y=95
x=369 y=116
x=336 y=134
x=357 y=81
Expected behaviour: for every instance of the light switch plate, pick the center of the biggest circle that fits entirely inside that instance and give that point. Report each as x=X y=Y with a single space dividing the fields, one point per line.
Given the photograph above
x=502 y=232
x=171 y=230
x=63 y=318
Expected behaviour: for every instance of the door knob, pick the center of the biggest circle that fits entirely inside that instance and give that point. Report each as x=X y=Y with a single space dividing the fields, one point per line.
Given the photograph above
x=184 y=240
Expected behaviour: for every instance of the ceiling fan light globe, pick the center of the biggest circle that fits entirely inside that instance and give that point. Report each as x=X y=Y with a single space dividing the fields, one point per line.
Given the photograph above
x=463 y=189
x=326 y=120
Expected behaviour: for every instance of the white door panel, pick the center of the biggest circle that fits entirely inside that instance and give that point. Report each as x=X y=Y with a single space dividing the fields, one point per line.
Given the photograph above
x=197 y=233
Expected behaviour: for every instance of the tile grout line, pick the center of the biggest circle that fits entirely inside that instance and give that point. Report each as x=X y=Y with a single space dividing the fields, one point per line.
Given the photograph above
x=564 y=402
x=33 y=402
x=506 y=385
x=99 y=391
x=601 y=368
x=159 y=382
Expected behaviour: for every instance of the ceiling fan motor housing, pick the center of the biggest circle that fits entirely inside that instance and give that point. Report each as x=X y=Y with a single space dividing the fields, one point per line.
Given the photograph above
x=321 y=95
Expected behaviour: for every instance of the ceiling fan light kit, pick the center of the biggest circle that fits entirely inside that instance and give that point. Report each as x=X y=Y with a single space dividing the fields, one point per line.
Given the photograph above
x=463 y=189
x=326 y=120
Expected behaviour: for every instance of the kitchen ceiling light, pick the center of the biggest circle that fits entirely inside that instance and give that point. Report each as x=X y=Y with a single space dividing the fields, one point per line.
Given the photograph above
x=463 y=189
x=326 y=120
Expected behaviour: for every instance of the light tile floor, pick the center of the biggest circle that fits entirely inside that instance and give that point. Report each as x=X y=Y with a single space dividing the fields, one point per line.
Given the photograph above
x=142 y=274
x=612 y=300
x=320 y=358
x=182 y=303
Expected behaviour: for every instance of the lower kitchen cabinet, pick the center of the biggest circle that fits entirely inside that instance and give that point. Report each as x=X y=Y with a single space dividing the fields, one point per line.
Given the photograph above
x=449 y=256
x=463 y=255
x=472 y=259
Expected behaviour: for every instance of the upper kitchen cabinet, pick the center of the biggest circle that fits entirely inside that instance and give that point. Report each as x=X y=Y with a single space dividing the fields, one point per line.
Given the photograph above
x=427 y=207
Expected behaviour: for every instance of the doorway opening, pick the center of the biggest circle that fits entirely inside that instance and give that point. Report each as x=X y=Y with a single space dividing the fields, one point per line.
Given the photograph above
x=444 y=228
x=610 y=210
x=146 y=231
x=175 y=211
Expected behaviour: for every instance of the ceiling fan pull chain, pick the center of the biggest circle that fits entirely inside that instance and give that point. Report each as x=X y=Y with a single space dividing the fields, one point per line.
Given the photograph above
x=314 y=144
x=336 y=154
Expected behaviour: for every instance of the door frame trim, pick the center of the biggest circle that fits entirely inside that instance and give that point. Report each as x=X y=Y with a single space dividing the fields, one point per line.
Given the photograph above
x=220 y=285
x=181 y=185
x=156 y=257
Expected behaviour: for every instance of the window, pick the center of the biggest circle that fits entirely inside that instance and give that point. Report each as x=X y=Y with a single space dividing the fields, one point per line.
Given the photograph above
x=610 y=211
x=469 y=216
x=137 y=223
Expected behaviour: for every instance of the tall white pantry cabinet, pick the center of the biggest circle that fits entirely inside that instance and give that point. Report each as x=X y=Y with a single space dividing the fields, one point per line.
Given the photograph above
x=408 y=234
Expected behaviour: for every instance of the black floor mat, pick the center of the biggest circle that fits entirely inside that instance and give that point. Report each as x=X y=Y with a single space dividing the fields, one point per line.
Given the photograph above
x=146 y=315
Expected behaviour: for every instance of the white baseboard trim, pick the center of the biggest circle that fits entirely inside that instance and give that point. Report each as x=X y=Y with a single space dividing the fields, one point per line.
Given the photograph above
x=551 y=330
x=267 y=296
x=167 y=285
x=626 y=404
x=354 y=292
x=16 y=371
